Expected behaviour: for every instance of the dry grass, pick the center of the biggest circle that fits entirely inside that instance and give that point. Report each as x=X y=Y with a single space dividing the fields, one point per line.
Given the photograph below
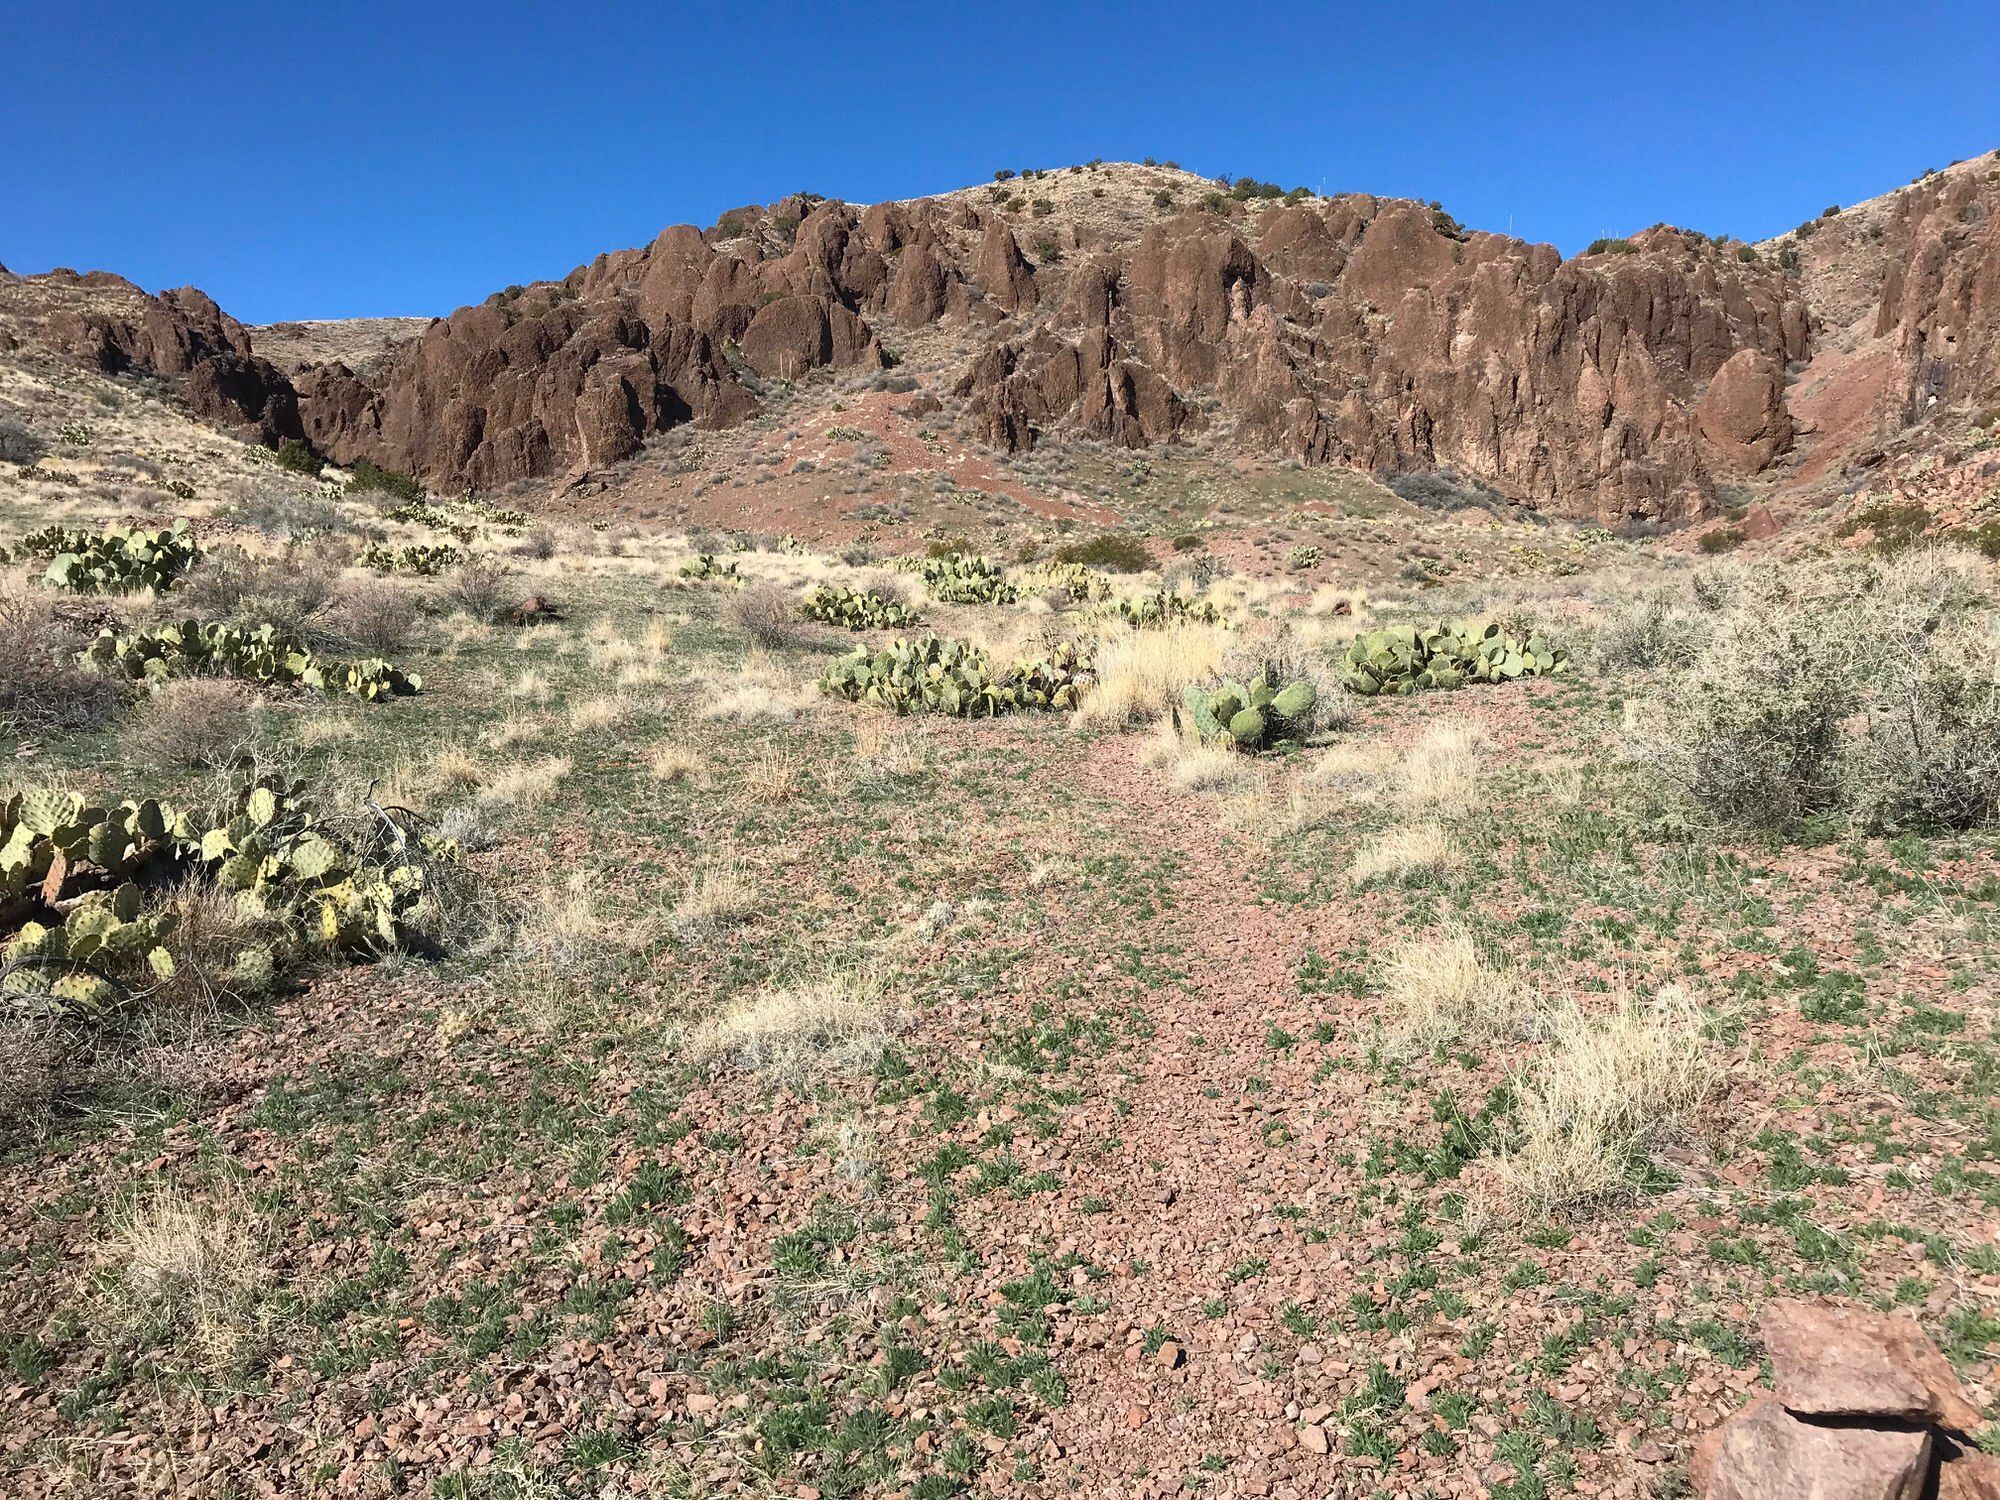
x=758 y=693
x=41 y=687
x=772 y=776
x=30 y=1074
x=839 y=1022
x=1204 y=768
x=722 y=892
x=606 y=711
x=189 y=1274
x=1441 y=769
x=1440 y=988
x=1142 y=673
x=454 y=767
x=1608 y=1087
x=526 y=785
x=563 y=939
x=672 y=761
x=1408 y=852
x=376 y=613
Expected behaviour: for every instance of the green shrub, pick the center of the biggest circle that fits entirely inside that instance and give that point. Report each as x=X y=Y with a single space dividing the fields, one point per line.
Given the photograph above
x=298 y=458
x=1892 y=525
x=368 y=479
x=1117 y=551
x=1611 y=247
x=1722 y=539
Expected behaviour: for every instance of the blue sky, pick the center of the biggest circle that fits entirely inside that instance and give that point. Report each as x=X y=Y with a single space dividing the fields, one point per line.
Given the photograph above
x=334 y=159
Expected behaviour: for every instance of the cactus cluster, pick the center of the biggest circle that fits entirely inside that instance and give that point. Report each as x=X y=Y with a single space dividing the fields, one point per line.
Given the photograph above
x=1164 y=607
x=705 y=565
x=263 y=653
x=117 y=560
x=961 y=578
x=1408 y=658
x=75 y=877
x=935 y=674
x=1073 y=580
x=1260 y=714
x=425 y=559
x=858 y=609
x=1304 y=558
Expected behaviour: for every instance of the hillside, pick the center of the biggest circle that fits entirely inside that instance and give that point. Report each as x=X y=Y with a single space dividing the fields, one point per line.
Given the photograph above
x=820 y=910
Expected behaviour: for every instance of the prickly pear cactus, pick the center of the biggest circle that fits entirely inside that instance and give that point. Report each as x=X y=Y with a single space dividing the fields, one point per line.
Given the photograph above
x=1260 y=714
x=961 y=578
x=263 y=653
x=935 y=674
x=1401 y=659
x=856 y=609
x=1304 y=559
x=422 y=559
x=1164 y=607
x=118 y=560
x=706 y=567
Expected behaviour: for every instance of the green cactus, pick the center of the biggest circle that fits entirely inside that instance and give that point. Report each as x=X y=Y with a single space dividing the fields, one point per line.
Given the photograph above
x=423 y=559
x=961 y=578
x=1261 y=714
x=855 y=609
x=263 y=653
x=1164 y=607
x=1400 y=659
x=706 y=567
x=1304 y=558
x=118 y=560
x=933 y=674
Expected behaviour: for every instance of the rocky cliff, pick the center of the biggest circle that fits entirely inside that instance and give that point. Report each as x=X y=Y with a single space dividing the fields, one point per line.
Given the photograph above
x=1136 y=305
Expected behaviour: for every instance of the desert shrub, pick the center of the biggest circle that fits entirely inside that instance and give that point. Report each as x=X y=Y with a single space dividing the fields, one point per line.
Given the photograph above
x=281 y=511
x=31 y=1073
x=1115 y=551
x=770 y=617
x=1440 y=988
x=1894 y=717
x=375 y=613
x=1444 y=489
x=42 y=688
x=539 y=544
x=1611 y=247
x=1647 y=635
x=482 y=589
x=297 y=457
x=369 y=479
x=1892 y=525
x=198 y=723
x=20 y=444
x=1722 y=539
x=288 y=589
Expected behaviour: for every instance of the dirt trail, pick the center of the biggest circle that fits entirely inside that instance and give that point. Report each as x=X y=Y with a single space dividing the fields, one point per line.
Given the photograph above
x=1225 y=1131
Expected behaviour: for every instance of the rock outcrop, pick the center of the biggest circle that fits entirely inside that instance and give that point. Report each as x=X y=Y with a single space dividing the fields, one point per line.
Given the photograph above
x=181 y=336
x=1358 y=330
x=1863 y=1408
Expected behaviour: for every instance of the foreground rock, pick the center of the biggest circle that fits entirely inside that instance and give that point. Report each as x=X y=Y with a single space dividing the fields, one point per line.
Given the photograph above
x=1864 y=1407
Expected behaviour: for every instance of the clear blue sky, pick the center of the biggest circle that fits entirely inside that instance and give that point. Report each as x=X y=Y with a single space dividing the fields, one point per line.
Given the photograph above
x=330 y=159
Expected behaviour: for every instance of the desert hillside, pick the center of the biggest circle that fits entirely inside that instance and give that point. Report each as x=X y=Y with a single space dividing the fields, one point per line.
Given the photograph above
x=1101 y=835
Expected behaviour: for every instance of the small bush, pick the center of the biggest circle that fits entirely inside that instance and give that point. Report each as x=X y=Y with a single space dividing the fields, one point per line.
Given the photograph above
x=1611 y=247
x=1892 y=526
x=770 y=617
x=278 y=510
x=1722 y=539
x=1444 y=489
x=1650 y=634
x=375 y=613
x=42 y=688
x=194 y=724
x=1440 y=988
x=1117 y=552
x=20 y=444
x=231 y=584
x=370 y=479
x=482 y=589
x=297 y=457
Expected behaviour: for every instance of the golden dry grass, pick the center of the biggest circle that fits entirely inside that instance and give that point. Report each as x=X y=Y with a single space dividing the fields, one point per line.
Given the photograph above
x=1586 y=1110
x=1441 y=769
x=672 y=761
x=188 y=1273
x=1141 y=673
x=721 y=892
x=527 y=784
x=837 y=1022
x=757 y=692
x=1407 y=852
x=1440 y=988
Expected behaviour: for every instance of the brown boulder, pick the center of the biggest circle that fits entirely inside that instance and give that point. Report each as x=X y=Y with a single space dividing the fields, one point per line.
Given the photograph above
x=1742 y=417
x=1850 y=1362
x=1765 y=1453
